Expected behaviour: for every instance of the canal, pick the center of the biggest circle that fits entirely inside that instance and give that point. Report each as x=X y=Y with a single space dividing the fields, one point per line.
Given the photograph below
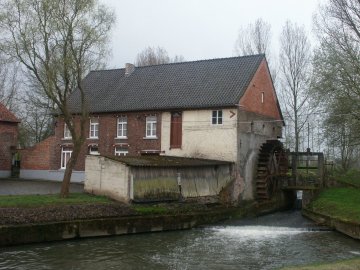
x=267 y=242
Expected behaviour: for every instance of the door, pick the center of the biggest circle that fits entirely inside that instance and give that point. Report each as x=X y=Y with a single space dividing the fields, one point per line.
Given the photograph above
x=176 y=130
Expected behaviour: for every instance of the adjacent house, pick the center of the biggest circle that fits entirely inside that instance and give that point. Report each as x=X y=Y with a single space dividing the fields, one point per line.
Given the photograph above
x=8 y=140
x=219 y=109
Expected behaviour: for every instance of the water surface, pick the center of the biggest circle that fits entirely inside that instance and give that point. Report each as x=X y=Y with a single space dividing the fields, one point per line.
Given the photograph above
x=267 y=242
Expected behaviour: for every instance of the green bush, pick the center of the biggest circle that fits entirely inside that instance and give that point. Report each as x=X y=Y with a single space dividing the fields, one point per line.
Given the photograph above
x=351 y=177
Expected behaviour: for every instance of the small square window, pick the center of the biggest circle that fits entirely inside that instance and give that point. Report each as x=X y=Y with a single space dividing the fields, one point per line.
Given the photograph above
x=217 y=117
x=121 y=151
x=94 y=150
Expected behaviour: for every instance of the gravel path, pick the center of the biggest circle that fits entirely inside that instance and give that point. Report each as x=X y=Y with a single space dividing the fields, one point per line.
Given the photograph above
x=22 y=187
x=14 y=216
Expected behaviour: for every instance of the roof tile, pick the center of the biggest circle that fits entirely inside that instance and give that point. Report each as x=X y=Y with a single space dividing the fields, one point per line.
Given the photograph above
x=197 y=84
x=6 y=115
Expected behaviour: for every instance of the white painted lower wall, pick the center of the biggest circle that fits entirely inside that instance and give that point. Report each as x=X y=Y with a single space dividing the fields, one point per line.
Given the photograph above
x=104 y=176
x=5 y=174
x=202 y=139
x=76 y=177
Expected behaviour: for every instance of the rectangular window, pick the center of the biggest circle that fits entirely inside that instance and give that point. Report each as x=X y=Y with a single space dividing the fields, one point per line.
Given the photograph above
x=121 y=151
x=122 y=127
x=151 y=127
x=94 y=128
x=262 y=97
x=67 y=134
x=94 y=150
x=65 y=156
x=217 y=117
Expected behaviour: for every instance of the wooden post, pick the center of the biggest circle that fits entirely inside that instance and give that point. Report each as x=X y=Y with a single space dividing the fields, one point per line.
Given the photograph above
x=321 y=164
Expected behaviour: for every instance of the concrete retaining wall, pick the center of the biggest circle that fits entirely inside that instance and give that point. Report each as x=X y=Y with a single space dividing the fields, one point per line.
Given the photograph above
x=34 y=233
x=351 y=229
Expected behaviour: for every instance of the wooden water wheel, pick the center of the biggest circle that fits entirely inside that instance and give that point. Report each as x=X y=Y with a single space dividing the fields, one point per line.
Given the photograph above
x=272 y=167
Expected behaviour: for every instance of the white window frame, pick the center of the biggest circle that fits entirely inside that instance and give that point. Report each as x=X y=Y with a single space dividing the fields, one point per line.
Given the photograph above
x=218 y=116
x=67 y=133
x=151 y=122
x=121 y=151
x=65 y=156
x=94 y=128
x=122 y=127
x=94 y=152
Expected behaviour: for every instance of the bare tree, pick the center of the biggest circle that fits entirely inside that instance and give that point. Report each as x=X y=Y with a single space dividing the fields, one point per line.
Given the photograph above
x=9 y=84
x=254 y=39
x=57 y=42
x=155 y=56
x=295 y=68
x=337 y=73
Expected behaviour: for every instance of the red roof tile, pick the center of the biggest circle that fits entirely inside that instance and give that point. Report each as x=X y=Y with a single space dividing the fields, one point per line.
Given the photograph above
x=6 y=115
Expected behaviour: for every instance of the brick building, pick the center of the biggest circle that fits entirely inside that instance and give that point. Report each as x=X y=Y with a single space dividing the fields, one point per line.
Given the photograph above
x=8 y=140
x=221 y=109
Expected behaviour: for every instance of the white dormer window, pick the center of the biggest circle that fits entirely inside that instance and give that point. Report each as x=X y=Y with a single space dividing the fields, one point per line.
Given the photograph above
x=67 y=133
x=94 y=128
x=122 y=127
x=217 y=117
x=151 y=126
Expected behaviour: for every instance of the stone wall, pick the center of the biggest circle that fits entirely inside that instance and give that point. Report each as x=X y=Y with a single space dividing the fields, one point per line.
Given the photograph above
x=119 y=181
x=104 y=176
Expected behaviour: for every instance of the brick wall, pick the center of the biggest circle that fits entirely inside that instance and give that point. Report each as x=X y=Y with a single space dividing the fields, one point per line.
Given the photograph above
x=136 y=141
x=251 y=100
x=38 y=157
x=8 y=139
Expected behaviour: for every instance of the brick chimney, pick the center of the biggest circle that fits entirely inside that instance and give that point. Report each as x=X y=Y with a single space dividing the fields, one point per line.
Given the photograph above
x=129 y=68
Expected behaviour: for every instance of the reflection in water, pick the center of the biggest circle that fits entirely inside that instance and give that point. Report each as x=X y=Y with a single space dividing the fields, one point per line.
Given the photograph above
x=262 y=243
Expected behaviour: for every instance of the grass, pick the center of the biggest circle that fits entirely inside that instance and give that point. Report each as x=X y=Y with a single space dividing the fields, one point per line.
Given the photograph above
x=49 y=200
x=352 y=264
x=341 y=203
x=352 y=178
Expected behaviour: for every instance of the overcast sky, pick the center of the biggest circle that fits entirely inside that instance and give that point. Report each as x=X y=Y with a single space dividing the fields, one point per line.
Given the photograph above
x=196 y=29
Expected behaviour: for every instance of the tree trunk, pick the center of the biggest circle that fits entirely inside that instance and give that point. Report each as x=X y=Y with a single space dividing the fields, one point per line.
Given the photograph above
x=65 y=186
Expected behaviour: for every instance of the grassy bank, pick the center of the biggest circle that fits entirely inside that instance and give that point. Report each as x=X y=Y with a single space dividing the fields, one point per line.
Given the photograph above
x=340 y=203
x=29 y=201
x=352 y=178
x=353 y=264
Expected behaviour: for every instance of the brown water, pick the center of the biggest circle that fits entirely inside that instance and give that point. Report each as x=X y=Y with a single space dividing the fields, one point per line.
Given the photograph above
x=268 y=242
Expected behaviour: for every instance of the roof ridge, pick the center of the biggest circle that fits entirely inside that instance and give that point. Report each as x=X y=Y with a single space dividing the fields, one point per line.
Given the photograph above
x=107 y=69
x=184 y=62
x=205 y=60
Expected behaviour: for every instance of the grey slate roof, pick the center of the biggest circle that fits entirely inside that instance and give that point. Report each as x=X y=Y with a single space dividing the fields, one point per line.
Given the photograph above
x=187 y=85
